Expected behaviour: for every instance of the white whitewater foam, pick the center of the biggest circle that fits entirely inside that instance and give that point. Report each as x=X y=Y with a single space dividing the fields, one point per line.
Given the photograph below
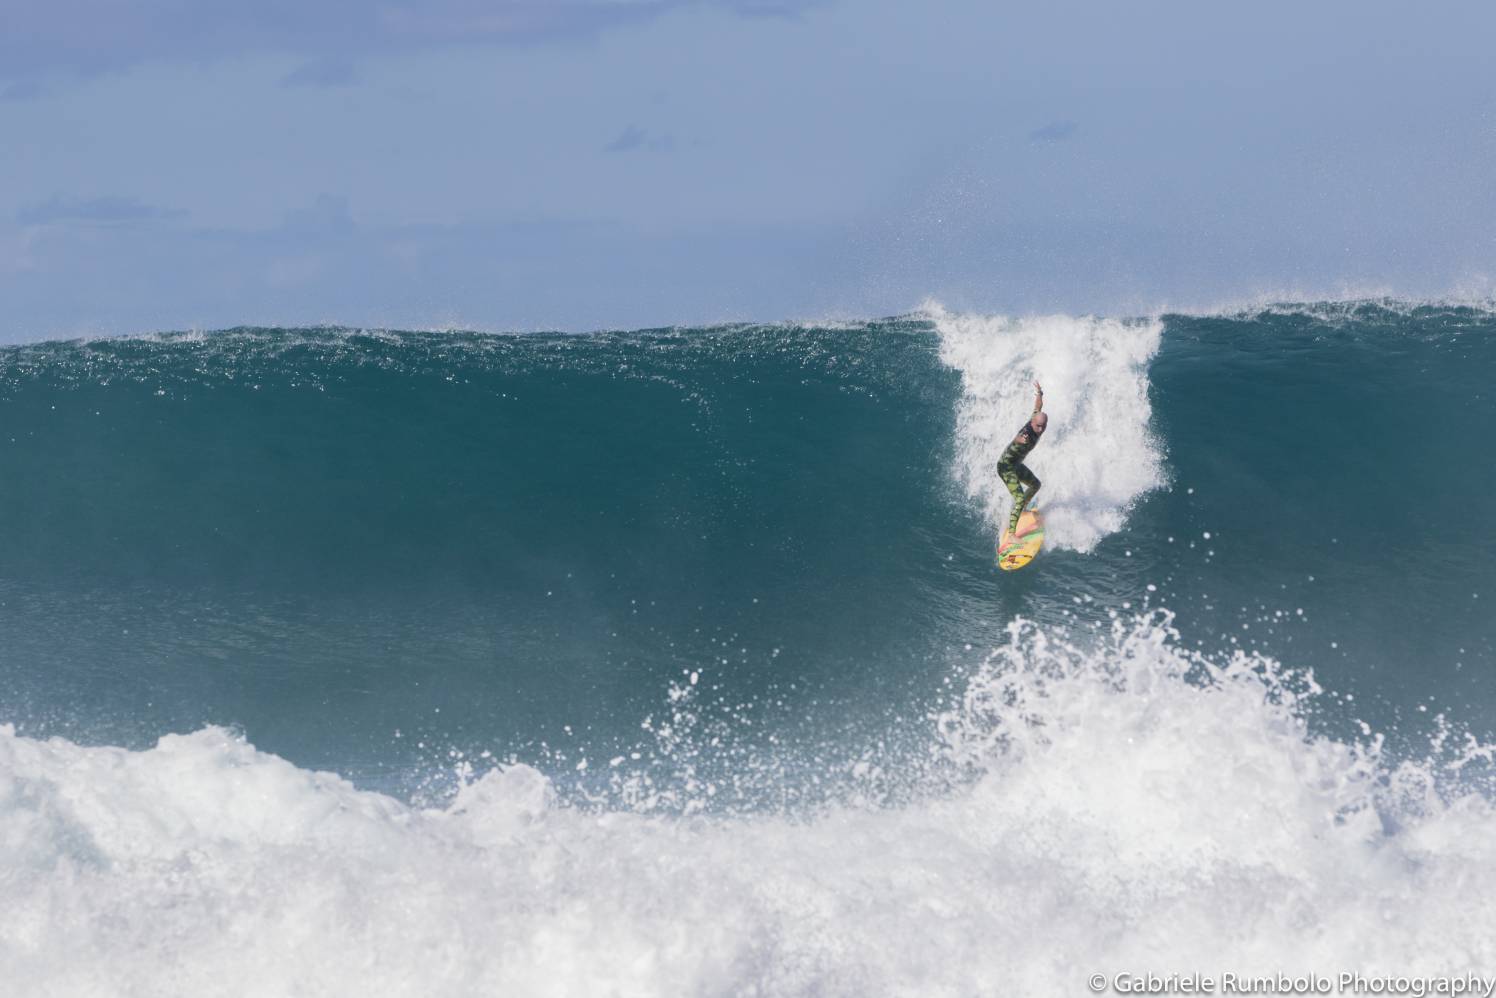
x=1098 y=455
x=1113 y=817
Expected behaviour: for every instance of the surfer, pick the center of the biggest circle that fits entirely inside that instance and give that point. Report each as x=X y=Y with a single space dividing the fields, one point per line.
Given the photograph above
x=1010 y=466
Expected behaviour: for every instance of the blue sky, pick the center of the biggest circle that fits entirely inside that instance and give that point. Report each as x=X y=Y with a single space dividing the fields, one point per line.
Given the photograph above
x=574 y=165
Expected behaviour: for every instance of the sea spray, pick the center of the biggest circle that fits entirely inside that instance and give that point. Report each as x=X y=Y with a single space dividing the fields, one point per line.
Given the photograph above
x=1097 y=802
x=1100 y=454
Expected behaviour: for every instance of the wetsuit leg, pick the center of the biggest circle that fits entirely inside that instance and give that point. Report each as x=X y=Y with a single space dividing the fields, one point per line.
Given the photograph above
x=1015 y=477
x=1009 y=474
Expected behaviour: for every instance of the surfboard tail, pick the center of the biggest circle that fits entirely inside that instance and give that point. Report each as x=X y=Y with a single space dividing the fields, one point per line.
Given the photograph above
x=1015 y=551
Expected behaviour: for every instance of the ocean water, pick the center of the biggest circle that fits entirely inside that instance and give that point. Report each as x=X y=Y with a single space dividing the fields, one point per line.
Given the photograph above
x=675 y=661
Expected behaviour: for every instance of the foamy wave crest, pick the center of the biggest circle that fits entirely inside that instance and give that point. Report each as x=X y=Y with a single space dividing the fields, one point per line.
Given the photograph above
x=1106 y=805
x=1098 y=455
x=1365 y=308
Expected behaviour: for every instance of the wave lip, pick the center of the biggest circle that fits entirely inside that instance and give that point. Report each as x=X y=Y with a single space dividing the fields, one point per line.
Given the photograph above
x=1370 y=310
x=1099 y=455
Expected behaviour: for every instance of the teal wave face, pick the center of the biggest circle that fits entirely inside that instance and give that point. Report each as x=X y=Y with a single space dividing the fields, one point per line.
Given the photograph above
x=330 y=537
x=1334 y=453
x=366 y=548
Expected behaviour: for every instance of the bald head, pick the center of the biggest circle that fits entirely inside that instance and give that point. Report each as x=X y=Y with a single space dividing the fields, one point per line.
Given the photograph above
x=1040 y=421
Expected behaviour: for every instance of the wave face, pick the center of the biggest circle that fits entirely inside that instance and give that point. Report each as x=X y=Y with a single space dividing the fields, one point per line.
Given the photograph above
x=675 y=661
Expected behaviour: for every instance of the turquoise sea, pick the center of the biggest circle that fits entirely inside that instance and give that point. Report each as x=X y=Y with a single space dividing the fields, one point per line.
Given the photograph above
x=675 y=661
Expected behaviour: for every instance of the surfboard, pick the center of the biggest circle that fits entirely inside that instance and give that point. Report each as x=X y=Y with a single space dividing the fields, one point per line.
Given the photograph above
x=1016 y=551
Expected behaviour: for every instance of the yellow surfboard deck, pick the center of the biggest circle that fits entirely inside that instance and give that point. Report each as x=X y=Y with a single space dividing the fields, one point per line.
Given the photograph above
x=1016 y=551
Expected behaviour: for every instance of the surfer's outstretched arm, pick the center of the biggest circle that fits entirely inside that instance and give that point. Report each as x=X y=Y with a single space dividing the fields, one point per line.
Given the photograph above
x=1038 y=399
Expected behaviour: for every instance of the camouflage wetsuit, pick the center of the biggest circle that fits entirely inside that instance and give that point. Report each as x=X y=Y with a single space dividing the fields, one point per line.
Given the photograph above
x=1015 y=473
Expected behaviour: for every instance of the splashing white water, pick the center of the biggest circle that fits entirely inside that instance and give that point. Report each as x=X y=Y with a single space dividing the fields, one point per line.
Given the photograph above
x=1126 y=806
x=1097 y=456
